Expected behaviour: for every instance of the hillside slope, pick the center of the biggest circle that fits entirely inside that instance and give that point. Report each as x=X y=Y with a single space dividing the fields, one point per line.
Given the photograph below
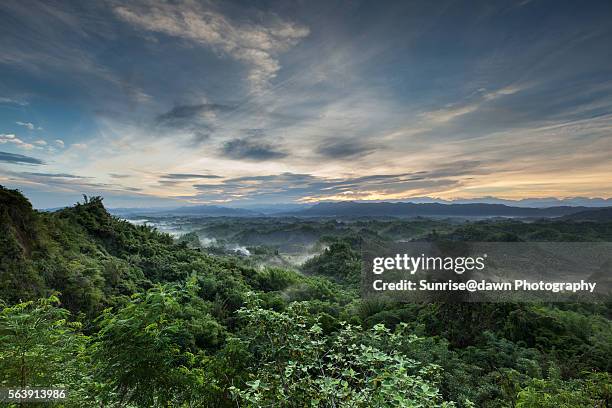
x=93 y=258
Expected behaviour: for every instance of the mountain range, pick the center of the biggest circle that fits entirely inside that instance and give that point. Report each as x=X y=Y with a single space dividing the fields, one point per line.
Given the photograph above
x=383 y=209
x=192 y=211
x=369 y=209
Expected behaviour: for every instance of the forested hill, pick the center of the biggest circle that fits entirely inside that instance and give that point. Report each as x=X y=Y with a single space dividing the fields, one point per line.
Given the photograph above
x=385 y=209
x=592 y=215
x=93 y=258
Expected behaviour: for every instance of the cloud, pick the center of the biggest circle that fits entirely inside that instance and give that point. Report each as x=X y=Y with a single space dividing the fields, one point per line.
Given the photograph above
x=476 y=101
x=53 y=175
x=11 y=101
x=118 y=176
x=18 y=158
x=70 y=34
x=509 y=90
x=179 y=179
x=28 y=125
x=59 y=142
x=199 y=137
x=300 y=187
x=66 y=182
x=197 y=120
x=133 y=189
x=344 y=149
x=248 y=149
x=40 y=142
x=363 y=104
x=186 y=113
x=11 y=138
x=255 y=44
x=449 y=113
x=189 y=176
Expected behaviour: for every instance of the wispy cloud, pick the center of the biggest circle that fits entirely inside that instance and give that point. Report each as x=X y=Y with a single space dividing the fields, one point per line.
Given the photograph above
x=64 y=182
x=18 y=158
x=56 y=44
x=198 y=120
x=303 y=187
x=53 y=175
x=248 y=149
x=11 y=138
x=29 y=125
x=474 y=102
x=119 y=176
x=189 y=176
x=345 y=149
x=11 y=101
x=184 y=114
x=255 y=44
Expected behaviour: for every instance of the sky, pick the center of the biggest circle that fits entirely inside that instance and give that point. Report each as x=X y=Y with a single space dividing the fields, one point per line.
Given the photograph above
x=155 y=103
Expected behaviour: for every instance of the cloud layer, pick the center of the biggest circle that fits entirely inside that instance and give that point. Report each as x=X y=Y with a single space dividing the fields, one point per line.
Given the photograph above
x=153 y=101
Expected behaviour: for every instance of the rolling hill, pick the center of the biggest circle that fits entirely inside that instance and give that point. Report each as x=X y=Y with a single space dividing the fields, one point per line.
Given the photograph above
x=387 y=209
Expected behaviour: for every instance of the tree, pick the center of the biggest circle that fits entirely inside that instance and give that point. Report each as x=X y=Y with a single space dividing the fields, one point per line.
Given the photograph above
x=296 y=365
x=40 y=347
x=553 y=392
x=146 y=353
x=339 y=261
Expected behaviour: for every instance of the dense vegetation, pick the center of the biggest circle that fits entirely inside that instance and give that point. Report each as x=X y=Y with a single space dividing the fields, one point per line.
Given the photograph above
x=123 y=315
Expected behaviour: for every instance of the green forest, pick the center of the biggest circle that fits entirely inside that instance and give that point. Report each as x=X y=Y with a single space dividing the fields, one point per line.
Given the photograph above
x=122 y=315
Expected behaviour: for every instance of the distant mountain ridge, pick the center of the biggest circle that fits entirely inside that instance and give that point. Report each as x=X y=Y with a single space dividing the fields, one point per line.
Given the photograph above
x=542 y=202
x=381 y=209
x=367 y=209
x=593 y=215
x=194 y=211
